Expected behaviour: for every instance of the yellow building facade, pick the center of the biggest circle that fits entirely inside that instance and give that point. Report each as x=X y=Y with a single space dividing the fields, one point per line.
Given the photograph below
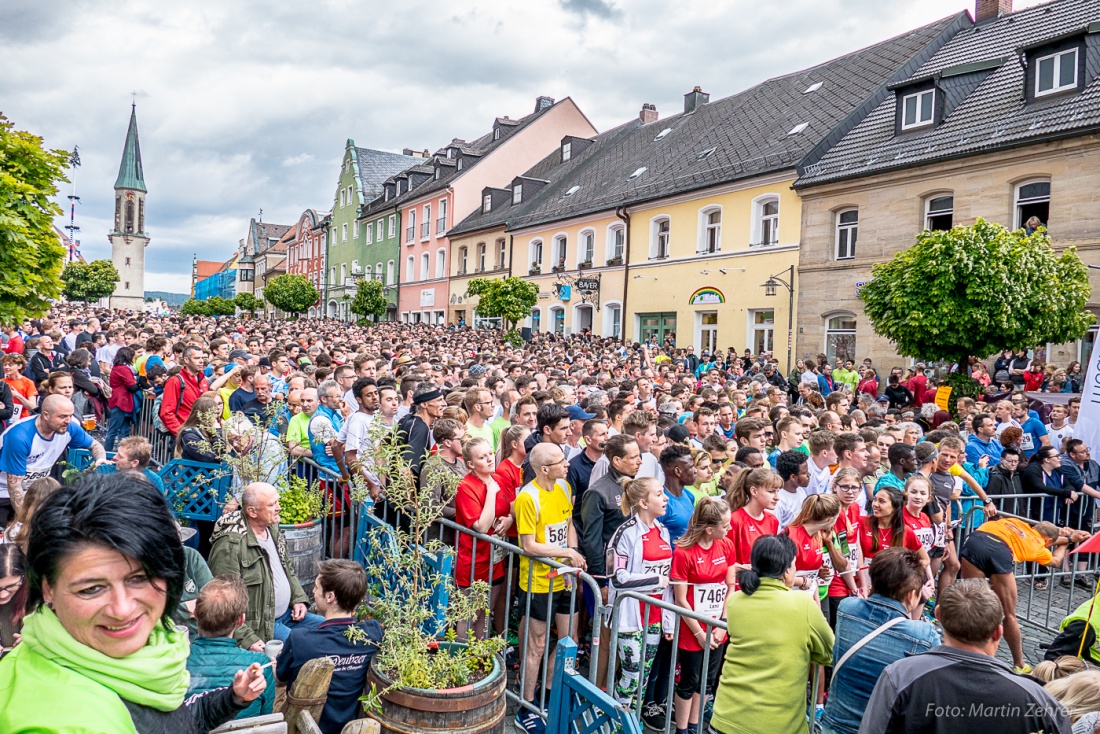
x=566 y=259
x=481 y=254
x=698 y=263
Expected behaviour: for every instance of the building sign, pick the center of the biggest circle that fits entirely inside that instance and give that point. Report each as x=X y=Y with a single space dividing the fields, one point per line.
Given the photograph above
x=706 y=297
x=859 y=287
x=563 y=291
x=588 y=284
x=427 y=297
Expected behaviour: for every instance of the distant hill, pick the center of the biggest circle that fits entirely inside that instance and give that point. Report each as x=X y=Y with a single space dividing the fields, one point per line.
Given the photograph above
x=172 y=299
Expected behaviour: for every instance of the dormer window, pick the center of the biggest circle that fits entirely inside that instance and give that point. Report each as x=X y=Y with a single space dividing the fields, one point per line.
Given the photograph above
x=496 y=133
x=917 y=109
x=566 y=151
x=459 y=166
x=1056 y=72
x=486 y=203
x=438 y=171
x=517 y=194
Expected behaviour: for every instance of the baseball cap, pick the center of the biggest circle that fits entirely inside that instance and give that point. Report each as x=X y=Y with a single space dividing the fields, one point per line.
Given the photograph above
x=239 y=354
x=577 y=413
x=477 y=369
x=677 y=433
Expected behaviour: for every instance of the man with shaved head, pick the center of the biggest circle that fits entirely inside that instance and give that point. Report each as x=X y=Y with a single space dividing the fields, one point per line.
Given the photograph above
x=247 y=543
x=30 y=448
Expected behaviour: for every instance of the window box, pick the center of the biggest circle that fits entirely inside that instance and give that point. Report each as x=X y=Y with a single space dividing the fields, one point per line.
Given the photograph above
x=615 y=261
x=584 y=265
x=558 y=269
x=536 y=269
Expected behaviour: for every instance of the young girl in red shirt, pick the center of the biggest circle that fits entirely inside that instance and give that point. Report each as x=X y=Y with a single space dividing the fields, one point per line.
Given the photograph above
x=752 y=495
x=509 y=475
x=844 y=583
x=885 y=528
x=812 y=533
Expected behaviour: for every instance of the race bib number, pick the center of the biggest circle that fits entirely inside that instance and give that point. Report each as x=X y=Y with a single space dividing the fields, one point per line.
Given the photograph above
x=939 y=535
x=710 y=599
x=657 y=568
x=1028 y=442
x=811 y=582
x=497 y=555
x=558 y=534
x=927 y=536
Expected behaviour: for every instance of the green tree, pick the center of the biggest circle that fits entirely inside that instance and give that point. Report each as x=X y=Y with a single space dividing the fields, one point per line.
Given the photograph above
x=31 y=253
x=509 y=299
x=973 y=291
x=248 y=302
x=191 y=307
x=89 y=281
x=369 y=300
x=291 y=293
x=218 y=306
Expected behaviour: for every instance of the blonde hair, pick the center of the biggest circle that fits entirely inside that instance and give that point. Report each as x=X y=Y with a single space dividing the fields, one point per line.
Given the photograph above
x=470 y=445
x=1079 y=693
x=708 y=514
x=1064 y=666
x=634 y=491
x=918 y=477
x=746 y=480
x=817 y=508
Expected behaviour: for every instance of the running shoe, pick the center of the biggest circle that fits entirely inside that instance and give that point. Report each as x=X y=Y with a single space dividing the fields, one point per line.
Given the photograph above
x=654 y=715
x=530 y=722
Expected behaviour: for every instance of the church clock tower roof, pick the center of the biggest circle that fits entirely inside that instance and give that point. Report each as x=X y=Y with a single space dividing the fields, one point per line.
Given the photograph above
x=129 y=172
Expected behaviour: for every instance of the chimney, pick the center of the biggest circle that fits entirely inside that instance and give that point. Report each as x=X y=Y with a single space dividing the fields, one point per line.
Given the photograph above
x=696 y=98
x=648 y=113
x=986 y=10
x=543 y=103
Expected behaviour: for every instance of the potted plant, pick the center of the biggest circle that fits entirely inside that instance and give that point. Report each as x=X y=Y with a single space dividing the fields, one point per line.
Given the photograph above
x=617 y=260
x=422 y=677
x=536 y=269
x=584 y=264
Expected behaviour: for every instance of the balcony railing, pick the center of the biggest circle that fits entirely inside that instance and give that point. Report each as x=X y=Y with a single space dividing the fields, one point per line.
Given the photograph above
x=425 y=230
x=410 y=234
x=441 y=225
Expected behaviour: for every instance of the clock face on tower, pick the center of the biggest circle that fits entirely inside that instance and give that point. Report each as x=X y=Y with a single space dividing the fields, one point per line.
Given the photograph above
x=129 y=195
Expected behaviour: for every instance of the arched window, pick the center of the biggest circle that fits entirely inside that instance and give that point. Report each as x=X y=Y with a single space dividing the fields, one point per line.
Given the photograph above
x=410 y=268
x=462 y=261
x=1032 y=200
x=847 y=231
x=840 y=337
x=660 y=232
x=534 y=258
x=616 y=243
x=389 y=273
x=939 y=211
x=710 y=229
x=502 y=254
x=536 y=320
x=378 y=273
x=441 y=263
x=561 y=250
x=425 y=269
x=612 y=319
x=481 y=257
x=129 y=216
x=765 y=220
x=557 y=319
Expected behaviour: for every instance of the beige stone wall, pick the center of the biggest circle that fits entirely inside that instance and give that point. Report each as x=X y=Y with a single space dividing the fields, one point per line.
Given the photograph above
x=891 y=214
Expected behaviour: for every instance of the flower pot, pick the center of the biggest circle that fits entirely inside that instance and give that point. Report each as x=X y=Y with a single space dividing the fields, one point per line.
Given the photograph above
x=304 y=543
x=474 y=709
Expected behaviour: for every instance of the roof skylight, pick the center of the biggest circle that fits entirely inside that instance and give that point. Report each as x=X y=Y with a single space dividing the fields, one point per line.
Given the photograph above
x=637 y=173
x=799 y=128
x=706 y=153
x=813 y=87
x=572 y=190
x=662 y=134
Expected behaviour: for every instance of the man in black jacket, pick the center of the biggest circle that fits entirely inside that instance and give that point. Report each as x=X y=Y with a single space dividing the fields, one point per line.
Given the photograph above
x=961 y=687
x=415 y=428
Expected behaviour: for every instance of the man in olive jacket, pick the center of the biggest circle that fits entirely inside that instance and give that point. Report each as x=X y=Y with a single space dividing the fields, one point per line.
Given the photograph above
x=248 y=544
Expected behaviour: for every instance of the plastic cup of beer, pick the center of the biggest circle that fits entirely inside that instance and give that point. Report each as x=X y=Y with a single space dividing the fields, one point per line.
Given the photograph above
x=88 y=423
x=272 y=648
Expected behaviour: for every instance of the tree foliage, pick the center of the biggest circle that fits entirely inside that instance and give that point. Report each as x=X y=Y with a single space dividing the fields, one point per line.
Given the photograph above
x=369 y=300
x=248 y=302
x=89 y=281
x=31 y=253
x=218 y=306
x=191 y=307
x=291 y=293
x=509 y=299
x=975 y=291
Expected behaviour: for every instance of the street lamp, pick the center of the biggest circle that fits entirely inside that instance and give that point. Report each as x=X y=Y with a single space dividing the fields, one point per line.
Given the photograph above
x=770 y=290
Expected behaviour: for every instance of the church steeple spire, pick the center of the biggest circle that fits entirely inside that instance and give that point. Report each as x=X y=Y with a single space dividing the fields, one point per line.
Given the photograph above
x=129 y=172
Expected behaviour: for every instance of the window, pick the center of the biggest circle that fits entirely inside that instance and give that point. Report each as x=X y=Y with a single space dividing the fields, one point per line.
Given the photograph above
x=426 y=225
x=331 y=275
x=616 y=242
x=587 y=247
x=517 y=194
x=840 y=338
x=916 y=109
x=496 y=133
x=459 y=166
x=572 y=190
x=561 y=247
x=370 y=232
x=708 y=330
x=481 y=257
x=566 y=151
x=343 y=273
x=557 y=319
x=393 y=225
x=536 y=320
x=425 y=265
x=847 y=228
x=798 y=128
x=663 y=134
x=462 y=261
x=710 y=230
x=659 y=238
x=765 y=220
x=441 y=264
x=1056 y=73
x=389 y=272
x=813 y=87
x=341 y=198
x=380 y=232
x=762 y=326
x=356 y=229
x=344 y=232
x=410 y=268
x=502 y=254
x=410 y=231
x=127 y=261
x=613 y=320
x=355 y=269
x=939 y=212
x=486 y=203
x=535 y=255
x=441 y=223
x=126 y=286
x=637 y=173
x=1032 y=200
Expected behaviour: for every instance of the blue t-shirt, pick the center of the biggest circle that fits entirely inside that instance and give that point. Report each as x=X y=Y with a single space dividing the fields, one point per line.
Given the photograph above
x=25 y=453
x=1034 y=430
x=678 y=513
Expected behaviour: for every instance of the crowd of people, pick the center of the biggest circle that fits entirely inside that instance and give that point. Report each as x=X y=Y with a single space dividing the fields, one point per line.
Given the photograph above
x=813 y=525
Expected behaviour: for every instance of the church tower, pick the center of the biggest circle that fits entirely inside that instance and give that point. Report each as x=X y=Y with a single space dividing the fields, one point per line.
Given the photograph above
x=128 y=238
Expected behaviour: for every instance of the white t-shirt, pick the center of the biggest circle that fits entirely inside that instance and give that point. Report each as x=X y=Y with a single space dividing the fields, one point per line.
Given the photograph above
x=650 y=468
x=24 y=452
x=1059 y=435
x=349 y=398
x=819 y=478
x=353 y=434
x=278 y=575
x=789 y=505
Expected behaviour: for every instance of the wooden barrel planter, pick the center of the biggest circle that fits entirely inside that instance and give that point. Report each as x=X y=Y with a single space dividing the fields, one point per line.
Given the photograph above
x=474 y=709
x=304 y=543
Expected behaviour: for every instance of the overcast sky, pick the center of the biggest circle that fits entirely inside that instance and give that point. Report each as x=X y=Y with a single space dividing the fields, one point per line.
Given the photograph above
x=244 y=105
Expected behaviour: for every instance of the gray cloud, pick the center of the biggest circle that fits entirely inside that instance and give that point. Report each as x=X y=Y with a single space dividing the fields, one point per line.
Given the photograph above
x=248 y=105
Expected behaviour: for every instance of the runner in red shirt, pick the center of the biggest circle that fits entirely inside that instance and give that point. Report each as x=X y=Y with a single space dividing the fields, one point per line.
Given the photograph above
x=846 y=487
x=704 y=568
x=812 y=533
x=480 y=507
x=752 y=495
x=918 y=493
x=509 y=475
x=885 y=527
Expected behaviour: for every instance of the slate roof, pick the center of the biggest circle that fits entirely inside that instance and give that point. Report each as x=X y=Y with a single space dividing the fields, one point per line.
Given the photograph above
x=480 y=148
x=749 y=132
x=375 y=166
x=993 y=114
x=130 y=175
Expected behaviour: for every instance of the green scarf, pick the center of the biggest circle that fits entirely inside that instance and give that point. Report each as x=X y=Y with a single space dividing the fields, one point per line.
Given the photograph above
x=155 y=676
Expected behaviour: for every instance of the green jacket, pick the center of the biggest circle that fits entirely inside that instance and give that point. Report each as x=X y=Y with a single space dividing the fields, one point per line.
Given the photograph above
x=1081 y=614
x=236 y=551
x=196 y=574
x=775 y=634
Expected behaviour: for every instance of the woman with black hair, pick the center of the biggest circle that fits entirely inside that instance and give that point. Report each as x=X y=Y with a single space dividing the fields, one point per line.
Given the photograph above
x=105 y=572
x=123 y=407
x=13 y=595
x=774 y=640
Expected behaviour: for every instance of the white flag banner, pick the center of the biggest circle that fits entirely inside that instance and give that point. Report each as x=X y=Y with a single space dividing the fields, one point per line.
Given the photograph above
x=1088 y=420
